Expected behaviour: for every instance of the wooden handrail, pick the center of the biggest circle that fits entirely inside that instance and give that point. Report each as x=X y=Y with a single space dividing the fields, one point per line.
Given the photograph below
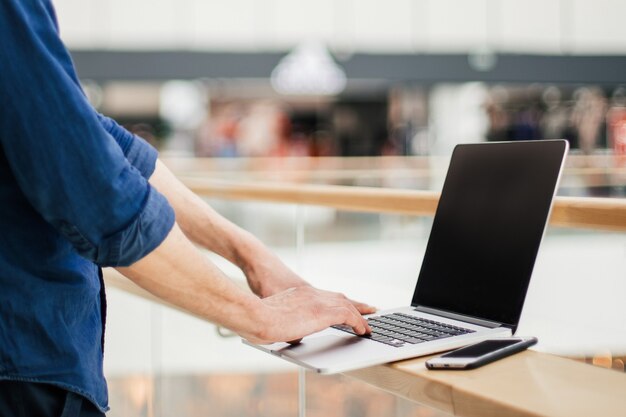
x=573 y=212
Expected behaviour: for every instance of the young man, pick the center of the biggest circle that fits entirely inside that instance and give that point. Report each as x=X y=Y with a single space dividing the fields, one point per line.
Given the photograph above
x=78 y=192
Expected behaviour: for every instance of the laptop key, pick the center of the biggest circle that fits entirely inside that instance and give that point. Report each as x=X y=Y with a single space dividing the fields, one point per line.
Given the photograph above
x=383 y=339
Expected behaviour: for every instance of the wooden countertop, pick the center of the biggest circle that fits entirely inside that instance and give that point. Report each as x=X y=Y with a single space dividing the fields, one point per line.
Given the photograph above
x=527 y=384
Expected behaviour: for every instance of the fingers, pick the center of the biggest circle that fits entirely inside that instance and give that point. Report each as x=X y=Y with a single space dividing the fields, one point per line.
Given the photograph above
x=347 y=314
x=363 y=324
x=356 y=309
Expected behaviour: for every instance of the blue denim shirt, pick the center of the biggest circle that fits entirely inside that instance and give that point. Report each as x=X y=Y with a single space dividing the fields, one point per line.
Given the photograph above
x=74 y=196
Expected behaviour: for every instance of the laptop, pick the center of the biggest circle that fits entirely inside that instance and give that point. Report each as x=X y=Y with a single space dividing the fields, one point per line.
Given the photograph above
x=491 y=217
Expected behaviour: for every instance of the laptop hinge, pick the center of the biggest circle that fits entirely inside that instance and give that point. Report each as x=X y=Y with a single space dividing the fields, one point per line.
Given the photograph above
x=460 y=317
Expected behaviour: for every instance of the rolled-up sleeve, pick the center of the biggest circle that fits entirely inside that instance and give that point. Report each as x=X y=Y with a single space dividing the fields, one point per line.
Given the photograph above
x=90 y=186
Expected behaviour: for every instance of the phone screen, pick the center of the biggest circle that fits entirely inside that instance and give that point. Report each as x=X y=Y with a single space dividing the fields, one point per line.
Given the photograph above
x=481 y=348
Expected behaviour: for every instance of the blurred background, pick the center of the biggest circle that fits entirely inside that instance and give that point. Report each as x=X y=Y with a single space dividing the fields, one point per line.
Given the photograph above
x=391 y=87
x=352 y=78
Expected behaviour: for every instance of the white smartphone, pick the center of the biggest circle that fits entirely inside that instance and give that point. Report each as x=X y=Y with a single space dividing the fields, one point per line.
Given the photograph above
x=481 y=353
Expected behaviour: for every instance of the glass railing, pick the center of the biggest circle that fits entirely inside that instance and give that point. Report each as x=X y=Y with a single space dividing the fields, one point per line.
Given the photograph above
x=162 y=362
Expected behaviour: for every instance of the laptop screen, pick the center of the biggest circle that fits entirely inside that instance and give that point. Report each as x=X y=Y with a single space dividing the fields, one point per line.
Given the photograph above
x=487 y=229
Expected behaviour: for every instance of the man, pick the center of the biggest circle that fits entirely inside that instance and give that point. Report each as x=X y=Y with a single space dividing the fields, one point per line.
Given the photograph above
x=78 y=192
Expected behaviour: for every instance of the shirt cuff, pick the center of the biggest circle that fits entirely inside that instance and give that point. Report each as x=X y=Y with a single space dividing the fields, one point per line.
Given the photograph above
x=144 y=234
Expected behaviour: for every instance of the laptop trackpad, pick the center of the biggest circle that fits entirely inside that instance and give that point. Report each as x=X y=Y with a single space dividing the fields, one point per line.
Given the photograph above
x=316 y=345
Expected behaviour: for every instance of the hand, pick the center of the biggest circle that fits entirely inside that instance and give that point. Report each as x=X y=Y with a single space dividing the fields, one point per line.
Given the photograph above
x=269 y=276
x=297 y=312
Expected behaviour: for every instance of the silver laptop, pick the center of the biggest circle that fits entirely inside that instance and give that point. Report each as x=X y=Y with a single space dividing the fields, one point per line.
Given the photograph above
x=491 y=217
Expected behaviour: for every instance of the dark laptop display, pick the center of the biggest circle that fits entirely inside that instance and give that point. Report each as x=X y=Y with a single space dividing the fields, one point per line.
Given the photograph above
x=488 y=227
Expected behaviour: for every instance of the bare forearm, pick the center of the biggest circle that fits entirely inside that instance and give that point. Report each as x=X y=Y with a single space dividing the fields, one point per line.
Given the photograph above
x=178 y=273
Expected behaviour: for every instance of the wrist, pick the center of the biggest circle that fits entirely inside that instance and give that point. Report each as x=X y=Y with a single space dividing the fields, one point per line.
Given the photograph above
x=248 y=251
x=265 y=272
x=259 y=265
x=259 y=332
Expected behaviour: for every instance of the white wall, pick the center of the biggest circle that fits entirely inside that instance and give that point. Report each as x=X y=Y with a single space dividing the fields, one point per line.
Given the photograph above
x=544 y=26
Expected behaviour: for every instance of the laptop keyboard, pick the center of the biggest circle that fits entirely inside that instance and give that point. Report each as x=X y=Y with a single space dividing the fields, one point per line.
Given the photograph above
x=398 y=329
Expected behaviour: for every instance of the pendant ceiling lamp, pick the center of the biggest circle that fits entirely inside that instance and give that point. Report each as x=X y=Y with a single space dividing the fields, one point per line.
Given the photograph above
x=308 y=70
